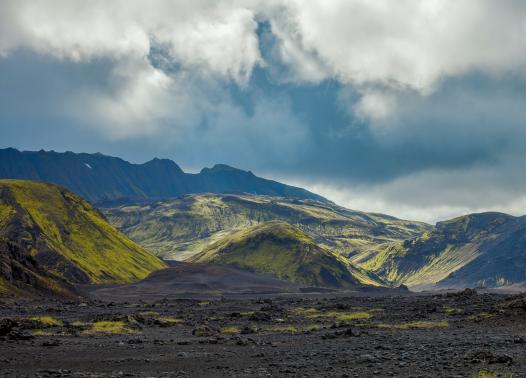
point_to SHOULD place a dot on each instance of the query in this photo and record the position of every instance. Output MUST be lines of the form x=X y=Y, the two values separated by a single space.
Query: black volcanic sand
x=443 y=335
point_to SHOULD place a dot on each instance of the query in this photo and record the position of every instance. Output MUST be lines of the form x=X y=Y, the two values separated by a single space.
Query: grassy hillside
x=285 y=252
x=486 y=249
x=184 y=226
x=68 y=237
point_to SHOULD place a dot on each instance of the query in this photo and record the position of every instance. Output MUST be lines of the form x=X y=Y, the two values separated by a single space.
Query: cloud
x=200 y=41
x=392 y=106
x=402 y=44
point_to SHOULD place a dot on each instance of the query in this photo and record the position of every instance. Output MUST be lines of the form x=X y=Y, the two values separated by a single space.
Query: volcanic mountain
x=104 y=179
x=48 y=231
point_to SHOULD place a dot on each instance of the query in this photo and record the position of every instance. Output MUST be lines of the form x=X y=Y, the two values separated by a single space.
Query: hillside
x=487 y=249
x=21 y=276
x=104 y=179
x=285 y=252
x=184 y=226
x=51 y=230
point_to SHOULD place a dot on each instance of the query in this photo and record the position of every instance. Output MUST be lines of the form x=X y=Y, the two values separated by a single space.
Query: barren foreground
x=459 y=334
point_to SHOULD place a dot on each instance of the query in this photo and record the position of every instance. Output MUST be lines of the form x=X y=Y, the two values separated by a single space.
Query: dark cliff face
x=104 y=179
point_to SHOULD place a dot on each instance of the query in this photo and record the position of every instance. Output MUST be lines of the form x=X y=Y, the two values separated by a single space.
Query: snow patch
x=87 y=165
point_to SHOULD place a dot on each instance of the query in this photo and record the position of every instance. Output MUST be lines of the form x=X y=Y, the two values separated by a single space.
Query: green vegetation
x=452 y=310
x=48 y=321
x=68 y=237
x=110 y=327
x=491 y=374
x=169 y=320
x=183 y=227
x=284 y=328
x=416 y=325
x=230 y=329
x=480 y=316
x=312 y=313
x=283 y=251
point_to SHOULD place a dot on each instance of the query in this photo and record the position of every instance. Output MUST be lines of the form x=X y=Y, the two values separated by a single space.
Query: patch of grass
x=109 y=327
x=247 y=313
x=42 y=332
x=312 y=313
x=48 y=321
x=452 y=310
x=149 y=313
x=285 y=328
x=169 y=320
x=491 y=374
x=230 y=329
x=416 y=325
x=480 y=316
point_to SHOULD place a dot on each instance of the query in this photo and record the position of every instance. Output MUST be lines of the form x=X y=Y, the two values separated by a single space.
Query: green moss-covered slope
x=67 y=237
x=285 y=252
x=184 y=226
x=487 y=249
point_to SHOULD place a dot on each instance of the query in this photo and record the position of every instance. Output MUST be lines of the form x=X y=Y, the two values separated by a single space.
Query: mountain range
x=105 y=179
x=52 y=240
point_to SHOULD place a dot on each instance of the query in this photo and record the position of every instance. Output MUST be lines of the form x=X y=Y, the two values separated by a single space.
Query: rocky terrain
x=463 y=334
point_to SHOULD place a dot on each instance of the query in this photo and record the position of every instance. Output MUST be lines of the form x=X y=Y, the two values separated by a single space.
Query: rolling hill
x=52 y=233
x=486 y=249
x=182 y=227
x=104 y=179
x=287 y=253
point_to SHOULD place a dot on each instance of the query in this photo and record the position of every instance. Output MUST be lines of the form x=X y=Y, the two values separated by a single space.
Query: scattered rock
x=51 y=343
x=204 y=331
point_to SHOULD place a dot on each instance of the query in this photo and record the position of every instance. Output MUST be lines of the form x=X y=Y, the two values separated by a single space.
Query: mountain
x=181 y=227
x=486 y=249
x=52 y=233
x=285 y=252
x=21 y=276
x=104 y=179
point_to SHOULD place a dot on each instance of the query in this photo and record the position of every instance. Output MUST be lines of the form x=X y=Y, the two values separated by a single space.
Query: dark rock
x=204 y=331
x=19 y=335
x=6 y=325
x=51 y=343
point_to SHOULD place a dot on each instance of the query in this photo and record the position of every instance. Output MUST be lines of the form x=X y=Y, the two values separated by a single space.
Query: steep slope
x=184 y=226
x=104 y=179
x=21 y=276
x=285 y=252
x=486 y=249
x=67 y=237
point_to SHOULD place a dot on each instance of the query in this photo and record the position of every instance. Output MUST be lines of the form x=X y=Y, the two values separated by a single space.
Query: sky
x=411 y=108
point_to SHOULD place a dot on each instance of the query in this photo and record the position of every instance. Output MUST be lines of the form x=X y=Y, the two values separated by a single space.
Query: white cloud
x=401 y=44
x=395 y=45
x=206 y=41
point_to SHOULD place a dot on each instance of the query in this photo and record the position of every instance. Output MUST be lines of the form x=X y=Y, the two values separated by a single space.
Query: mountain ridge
x=479 y=249
x=106 y=180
